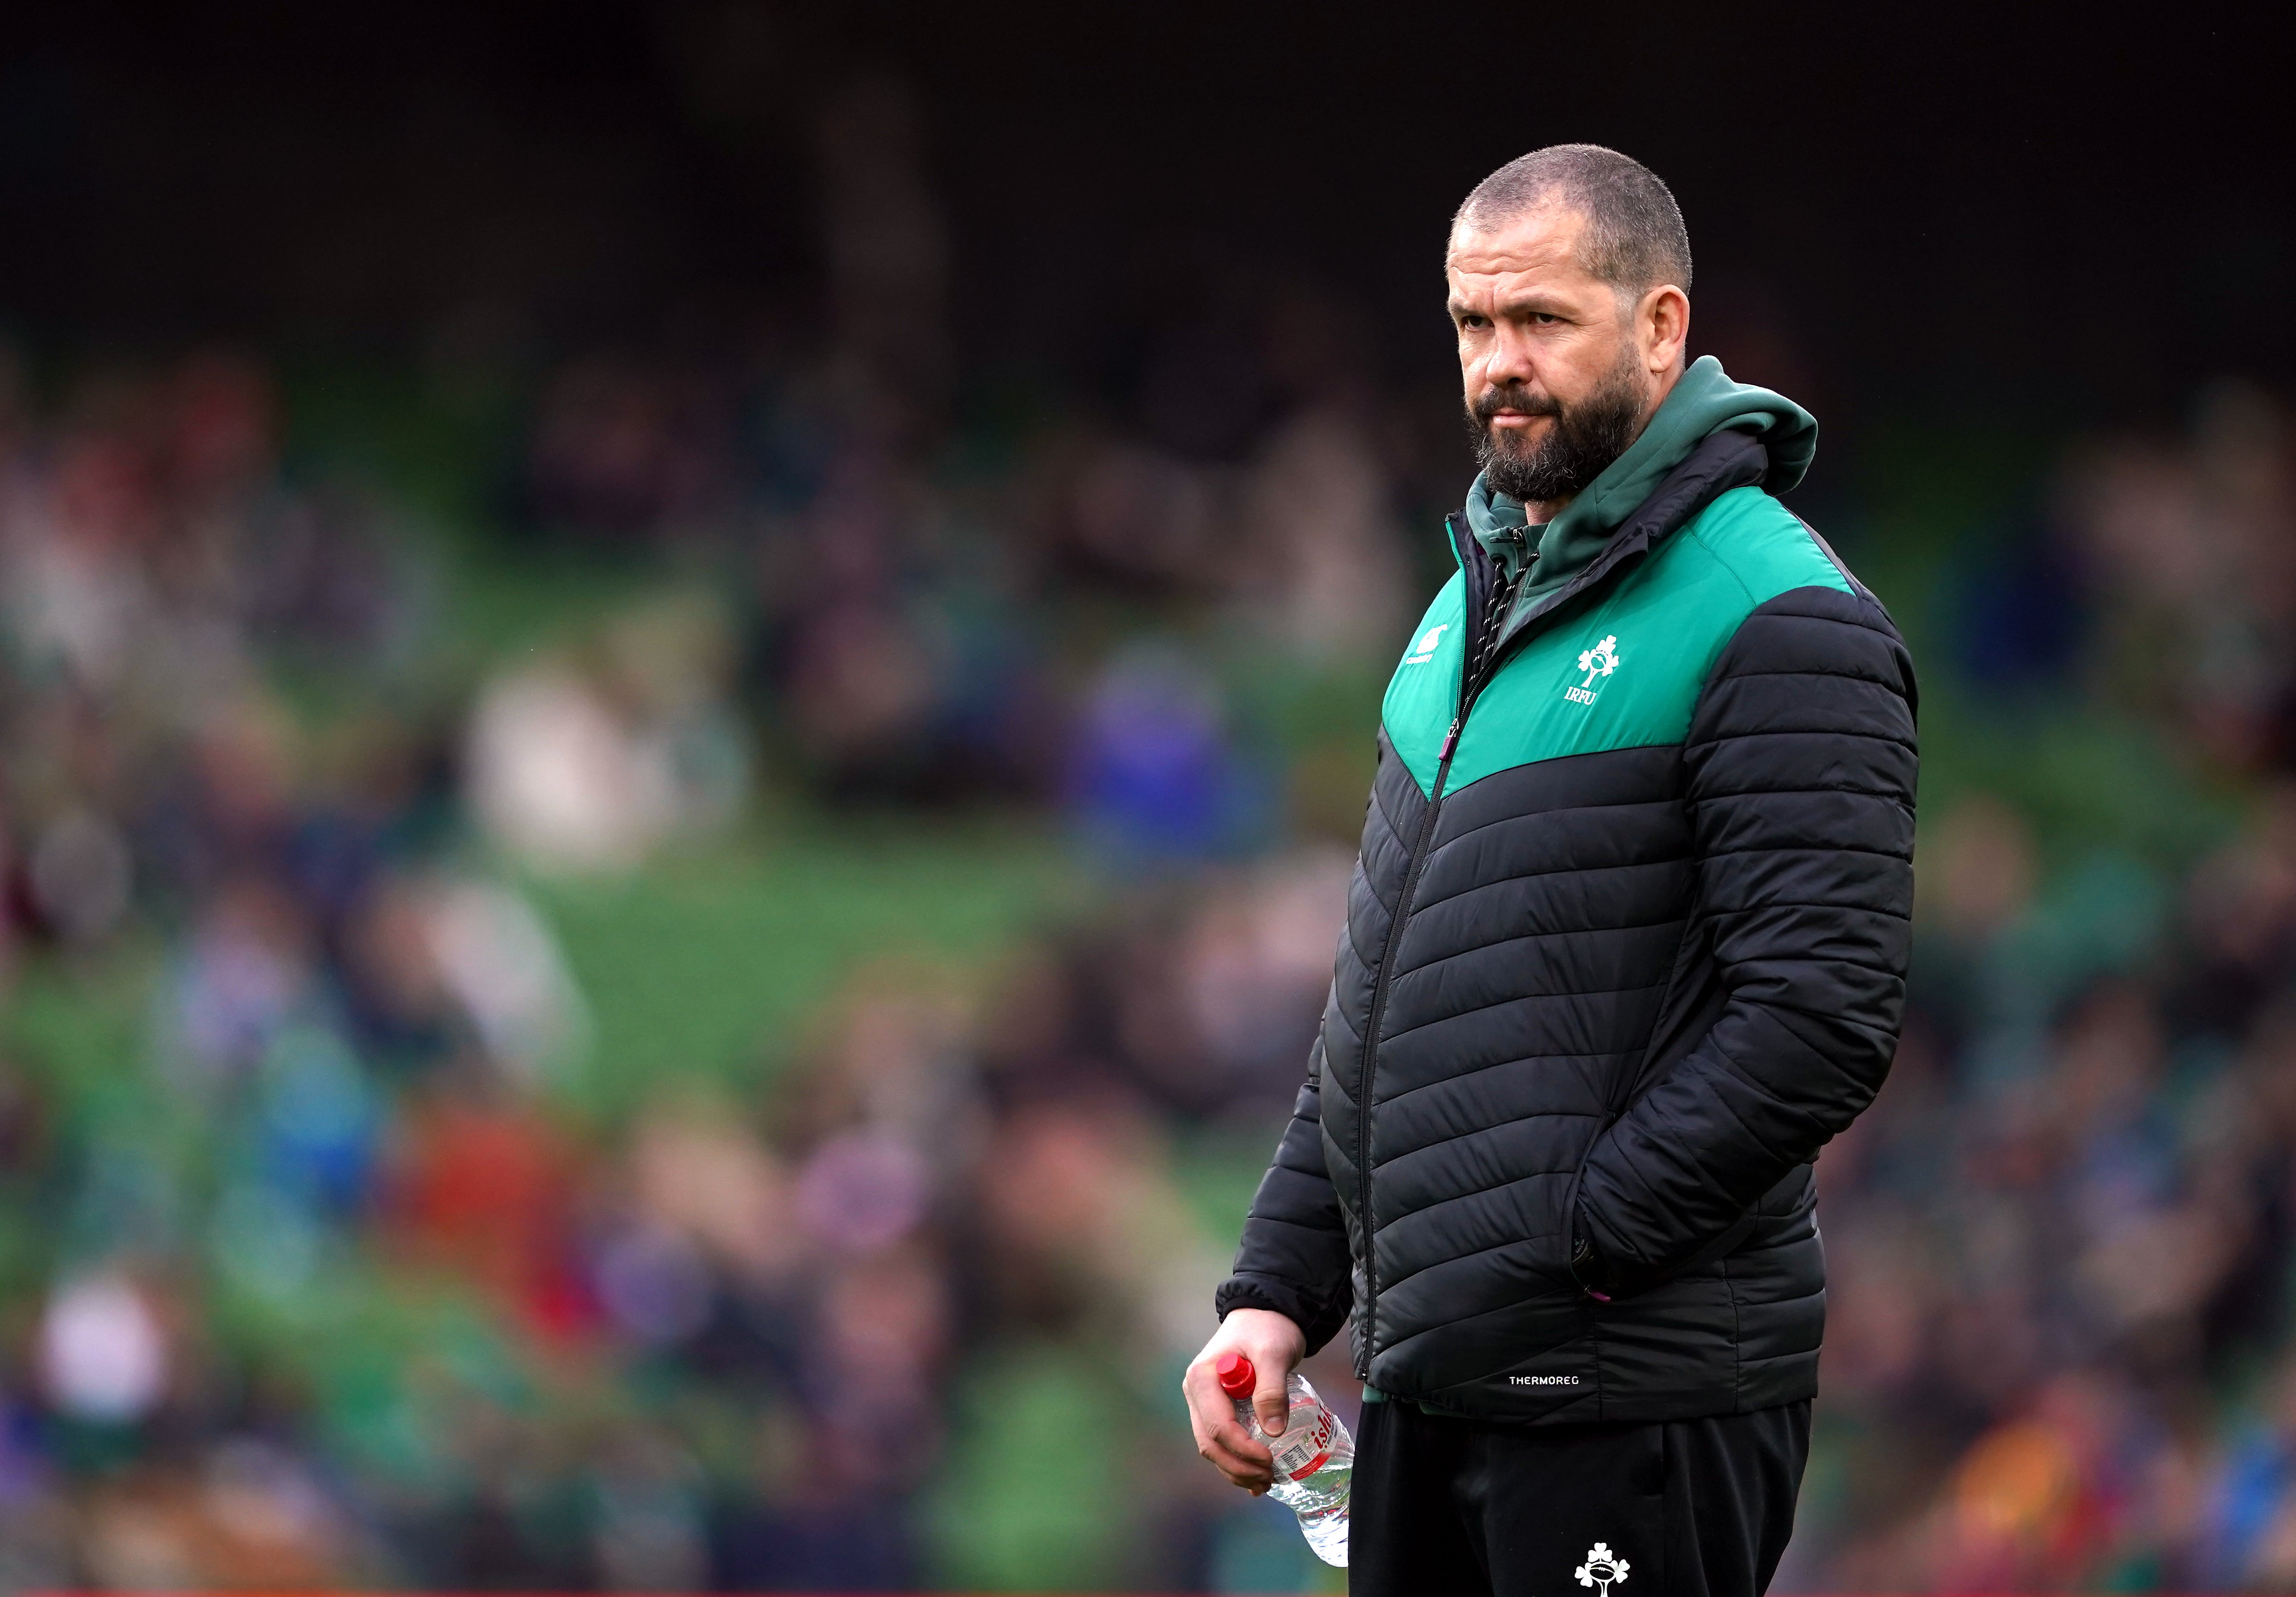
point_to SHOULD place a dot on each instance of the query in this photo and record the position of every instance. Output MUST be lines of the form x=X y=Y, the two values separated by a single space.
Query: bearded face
x=1589 y=433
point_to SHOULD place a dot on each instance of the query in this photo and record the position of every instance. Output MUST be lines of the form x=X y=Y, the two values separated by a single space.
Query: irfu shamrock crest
x=1600 y=661
x=1602 y=1568
x=1597 y=662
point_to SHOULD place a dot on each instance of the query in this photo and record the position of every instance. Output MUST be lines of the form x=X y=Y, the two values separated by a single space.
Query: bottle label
x=1306 y=1446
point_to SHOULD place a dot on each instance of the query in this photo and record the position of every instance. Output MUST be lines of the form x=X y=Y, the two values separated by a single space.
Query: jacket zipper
x=1471 y=684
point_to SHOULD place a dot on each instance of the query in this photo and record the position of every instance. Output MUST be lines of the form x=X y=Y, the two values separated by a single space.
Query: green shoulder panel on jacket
x=1624 y=672
x=1423 y=694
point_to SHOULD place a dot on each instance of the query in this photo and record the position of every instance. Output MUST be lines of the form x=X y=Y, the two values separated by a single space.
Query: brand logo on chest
x=1598 y=663
x=1424 y=650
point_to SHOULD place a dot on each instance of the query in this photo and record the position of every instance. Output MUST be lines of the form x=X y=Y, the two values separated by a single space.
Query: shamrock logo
x=1600 y=661
x=1602 y=1568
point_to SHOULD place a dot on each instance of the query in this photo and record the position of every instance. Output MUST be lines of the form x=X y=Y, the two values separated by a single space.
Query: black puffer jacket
x=1626 y=946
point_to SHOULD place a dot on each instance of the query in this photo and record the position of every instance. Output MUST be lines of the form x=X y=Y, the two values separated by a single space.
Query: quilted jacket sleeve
x=1800 y=767
x=1294 y=1257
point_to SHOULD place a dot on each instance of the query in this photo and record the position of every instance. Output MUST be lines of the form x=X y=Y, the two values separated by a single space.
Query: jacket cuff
x=1314 y=1318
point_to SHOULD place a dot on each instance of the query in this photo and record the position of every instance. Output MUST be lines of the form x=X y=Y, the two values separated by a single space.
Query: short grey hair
x=1634 y=239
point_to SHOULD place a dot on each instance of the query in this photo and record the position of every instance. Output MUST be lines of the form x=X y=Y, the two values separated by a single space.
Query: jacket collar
x=1722 y=460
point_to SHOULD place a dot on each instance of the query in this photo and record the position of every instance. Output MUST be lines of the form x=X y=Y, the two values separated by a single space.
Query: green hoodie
x=1703 y=401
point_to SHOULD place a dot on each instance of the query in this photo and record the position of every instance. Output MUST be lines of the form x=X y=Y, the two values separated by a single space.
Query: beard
x=1587 y=435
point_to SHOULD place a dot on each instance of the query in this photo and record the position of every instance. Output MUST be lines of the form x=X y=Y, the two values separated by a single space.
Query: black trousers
x=1456 y=1508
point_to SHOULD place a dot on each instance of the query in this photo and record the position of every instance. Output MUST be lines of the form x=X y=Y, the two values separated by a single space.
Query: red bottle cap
x=1236 y=1375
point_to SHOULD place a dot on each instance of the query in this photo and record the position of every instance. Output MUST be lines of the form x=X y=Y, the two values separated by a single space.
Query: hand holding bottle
x=1273 y=1345
x=1312 y=1459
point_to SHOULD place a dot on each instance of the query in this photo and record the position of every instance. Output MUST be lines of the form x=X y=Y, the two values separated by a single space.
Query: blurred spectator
x=576 y=769
x=1157 y=776
x=2200 y=538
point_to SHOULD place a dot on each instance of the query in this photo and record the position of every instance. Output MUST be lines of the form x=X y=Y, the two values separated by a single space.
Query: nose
x=1509 y=358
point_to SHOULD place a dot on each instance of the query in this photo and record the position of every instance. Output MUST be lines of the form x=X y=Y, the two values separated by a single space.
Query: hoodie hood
x=1704 y=401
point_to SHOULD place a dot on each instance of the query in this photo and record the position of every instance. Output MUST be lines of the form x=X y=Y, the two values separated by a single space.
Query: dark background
x=2052 y=211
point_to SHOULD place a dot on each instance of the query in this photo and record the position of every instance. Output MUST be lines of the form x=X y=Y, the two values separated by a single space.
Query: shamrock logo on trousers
x=1602 y=1568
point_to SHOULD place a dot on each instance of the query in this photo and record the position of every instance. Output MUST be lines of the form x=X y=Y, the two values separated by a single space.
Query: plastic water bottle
x=1313 y=1457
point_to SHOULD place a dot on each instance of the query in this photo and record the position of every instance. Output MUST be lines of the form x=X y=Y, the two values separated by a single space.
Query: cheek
x=1584 y=367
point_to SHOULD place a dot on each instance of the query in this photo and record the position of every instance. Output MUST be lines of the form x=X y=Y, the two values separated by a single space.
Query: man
x=1626 y=946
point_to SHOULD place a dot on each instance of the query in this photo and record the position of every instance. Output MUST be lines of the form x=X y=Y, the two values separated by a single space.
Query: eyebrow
x=1533 y=304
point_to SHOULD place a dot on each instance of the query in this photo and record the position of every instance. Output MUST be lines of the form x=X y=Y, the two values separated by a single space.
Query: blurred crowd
x=2059 y=1352
x=316 y=1270
x=312 y=1268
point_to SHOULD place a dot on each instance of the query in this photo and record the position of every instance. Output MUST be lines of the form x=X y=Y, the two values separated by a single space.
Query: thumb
x=1269 y=1400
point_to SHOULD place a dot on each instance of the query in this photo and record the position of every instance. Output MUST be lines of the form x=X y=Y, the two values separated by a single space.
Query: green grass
x=709 y=965
x=77 y=1025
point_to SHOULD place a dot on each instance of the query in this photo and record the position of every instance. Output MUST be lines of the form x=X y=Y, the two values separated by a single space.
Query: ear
x=1663 y=328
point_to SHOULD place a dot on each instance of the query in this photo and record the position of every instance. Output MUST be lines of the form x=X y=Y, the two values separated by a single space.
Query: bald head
x=1633 y=239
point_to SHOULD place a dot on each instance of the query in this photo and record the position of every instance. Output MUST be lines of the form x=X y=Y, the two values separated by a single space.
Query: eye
x=1544 y=318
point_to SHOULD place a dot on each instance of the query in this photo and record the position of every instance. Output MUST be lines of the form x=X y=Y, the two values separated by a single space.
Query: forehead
x=1540 y=244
